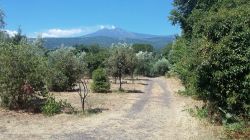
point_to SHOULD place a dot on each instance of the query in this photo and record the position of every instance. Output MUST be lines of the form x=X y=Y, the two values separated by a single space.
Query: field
x=155 y=111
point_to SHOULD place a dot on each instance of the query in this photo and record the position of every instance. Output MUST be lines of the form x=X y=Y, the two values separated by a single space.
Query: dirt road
x=156 y=114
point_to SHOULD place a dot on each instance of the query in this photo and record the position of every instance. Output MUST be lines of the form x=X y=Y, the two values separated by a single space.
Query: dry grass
x=22 y=125
x=156 y=114
x=185 y=103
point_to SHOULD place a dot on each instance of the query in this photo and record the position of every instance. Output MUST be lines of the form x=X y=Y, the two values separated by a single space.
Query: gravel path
x=157 y=114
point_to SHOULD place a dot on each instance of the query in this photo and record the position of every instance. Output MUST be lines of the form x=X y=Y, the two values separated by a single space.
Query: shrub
x=100 y=81
x=51 y=106
x=23 y=75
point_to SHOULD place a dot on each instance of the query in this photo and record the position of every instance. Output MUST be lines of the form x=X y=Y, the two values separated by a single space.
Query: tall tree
x=2 y=22
x=19 y=37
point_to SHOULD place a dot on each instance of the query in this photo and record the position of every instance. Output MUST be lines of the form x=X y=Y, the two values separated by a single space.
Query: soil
x=154 y=111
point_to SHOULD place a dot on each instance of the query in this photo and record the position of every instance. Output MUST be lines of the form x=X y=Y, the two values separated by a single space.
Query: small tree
x=120 y=61
x=19 y=37
x=83 y=92
x=100 y=81
x=66 y=69
x=131 y=63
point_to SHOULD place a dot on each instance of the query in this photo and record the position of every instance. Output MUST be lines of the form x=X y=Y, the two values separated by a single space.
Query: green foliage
x=213 y=56
x=142 y=47
x=100 y=81
x=122 y=61
x=202 y=112
x=160 y=67
x=19 y=38
x=23 y=74
x=237 y=130
x=199 y=112
x=51 y=106
x=94 y=58
x=66 y=68
x=145 y=60
x=166 y=50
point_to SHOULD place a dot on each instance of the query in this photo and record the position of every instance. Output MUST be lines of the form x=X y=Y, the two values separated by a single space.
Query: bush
x=23 y=75
x=224 y=72
x=66 y=69
x=213 y=55
x=100 y=81
x=51 y=106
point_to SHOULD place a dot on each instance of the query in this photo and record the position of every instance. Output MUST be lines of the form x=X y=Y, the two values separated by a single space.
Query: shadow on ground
x=96 y=110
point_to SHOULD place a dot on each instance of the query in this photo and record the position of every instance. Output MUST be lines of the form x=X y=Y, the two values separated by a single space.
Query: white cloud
x=107 y=27
x=113 y=27
x=11 y=33
x=61 y=32
x=56 y=32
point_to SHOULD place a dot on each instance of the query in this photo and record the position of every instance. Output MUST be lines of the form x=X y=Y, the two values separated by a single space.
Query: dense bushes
x=213 y=55
x=100 y=81
x=26 y=74
x=23 y=74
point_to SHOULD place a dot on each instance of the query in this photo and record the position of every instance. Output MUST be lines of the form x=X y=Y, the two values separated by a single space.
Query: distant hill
x=105 y=37
x=120 y=34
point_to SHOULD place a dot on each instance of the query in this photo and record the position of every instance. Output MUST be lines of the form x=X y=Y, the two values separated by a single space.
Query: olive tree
x=121 y=61
x=160 y=67
x=144 y=61
x=66 y=69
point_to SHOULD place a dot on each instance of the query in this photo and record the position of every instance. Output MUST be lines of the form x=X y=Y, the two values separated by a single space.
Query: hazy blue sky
x=56 y=18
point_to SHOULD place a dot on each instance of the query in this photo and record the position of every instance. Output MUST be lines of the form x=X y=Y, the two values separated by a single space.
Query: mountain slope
x=120 y=34
x=106 y=37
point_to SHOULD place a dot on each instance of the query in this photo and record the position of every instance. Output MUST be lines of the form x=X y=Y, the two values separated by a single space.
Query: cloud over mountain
x=73 y=32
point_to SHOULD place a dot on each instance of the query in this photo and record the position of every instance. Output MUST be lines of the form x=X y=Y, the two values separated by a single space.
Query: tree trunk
x=83 y=105
x=132 y=77
x=120 y=78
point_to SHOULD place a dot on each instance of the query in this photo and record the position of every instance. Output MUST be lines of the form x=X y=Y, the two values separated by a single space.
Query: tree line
x=28 y=71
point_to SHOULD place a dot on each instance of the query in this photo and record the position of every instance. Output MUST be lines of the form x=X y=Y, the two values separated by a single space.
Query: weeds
x=52 y=107
x=200 y=113
x=238 y=130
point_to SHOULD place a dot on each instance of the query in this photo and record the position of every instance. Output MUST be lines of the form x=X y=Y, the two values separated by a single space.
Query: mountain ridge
x=105 y=37
x=120 y=33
